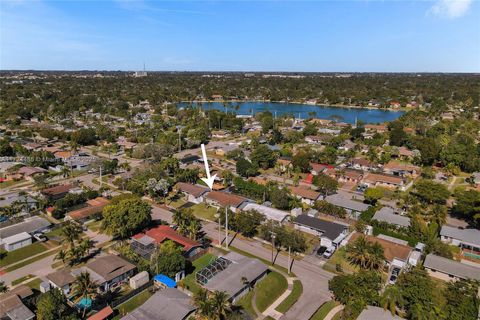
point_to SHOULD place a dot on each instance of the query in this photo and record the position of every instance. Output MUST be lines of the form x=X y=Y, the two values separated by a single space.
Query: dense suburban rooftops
x=471 y=236
x=383 y=178
x=57 y=190
x=451 y=267
x=94 y=206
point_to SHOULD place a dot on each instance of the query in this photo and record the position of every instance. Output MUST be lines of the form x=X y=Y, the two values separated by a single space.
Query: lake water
x=303 y=110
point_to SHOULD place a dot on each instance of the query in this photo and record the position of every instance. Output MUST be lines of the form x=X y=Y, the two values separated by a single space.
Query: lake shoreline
x=401 y=109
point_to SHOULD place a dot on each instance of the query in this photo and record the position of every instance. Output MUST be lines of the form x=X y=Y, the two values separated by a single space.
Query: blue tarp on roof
x=167 y=281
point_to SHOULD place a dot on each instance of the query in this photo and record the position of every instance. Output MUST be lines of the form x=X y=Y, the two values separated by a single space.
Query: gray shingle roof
x=386 y=214
x=330 y=230
x=451 y=267
x=166 y=304
x=471 y=236
x=29 y=225
x=339 y=201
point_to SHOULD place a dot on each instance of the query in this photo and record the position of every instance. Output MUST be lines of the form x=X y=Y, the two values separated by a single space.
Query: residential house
x=145 y=243
x=318 y=139
x=400 y=169
x=380 y=128
x=268 y=212
x=166 y=304
x=26 y=202
x=12 y=304
x=108 y=271
x=384 y=180
x=347 y=145
x=467 y=239
x=450 y=270
x=29 y=173
x=193 y=192
x=57 y=192
x=223 y=199
x=349 y=175
x=362 y=164
x=93 y=207
x=61 y=279
x=354 y=208
x=318 y=168
x=29 y=225
x=388 y=215
x=16 y=241
x=331 y=234
x=307 y=195
x=396 y=252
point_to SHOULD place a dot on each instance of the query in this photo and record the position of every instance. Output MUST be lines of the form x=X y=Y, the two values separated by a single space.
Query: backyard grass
x=189 y=281
x=177 y=203
x=24 y=278
x=95 y=225
x=324 y=310
x=203 y=212
x=340 y=257
x=133 y=303
x=267 y=262
x=246 y=303
x=269 y=289
x=20 y=254
x=292 y=297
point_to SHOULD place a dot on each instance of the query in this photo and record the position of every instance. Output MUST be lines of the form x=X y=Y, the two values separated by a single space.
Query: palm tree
x=65 y=171
x=84 y=287
x=221 y=305
x=203 y=303
x=357 y=252
x=392 y=299
x=61 y=255
x=376 y=256
x=70 y=233
x=194 y=228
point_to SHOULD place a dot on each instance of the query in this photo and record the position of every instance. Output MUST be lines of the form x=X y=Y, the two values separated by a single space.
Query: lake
x=303 y=110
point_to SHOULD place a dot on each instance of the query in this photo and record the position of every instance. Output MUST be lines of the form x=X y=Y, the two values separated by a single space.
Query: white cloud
x=450 y=9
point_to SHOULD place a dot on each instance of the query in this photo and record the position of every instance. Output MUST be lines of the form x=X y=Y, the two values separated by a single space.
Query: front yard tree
x=263 y=157
x=325 y=184
x=168 y=259
x=126 y=217
x=372 y=195
x=245 y=168
x=431 y=192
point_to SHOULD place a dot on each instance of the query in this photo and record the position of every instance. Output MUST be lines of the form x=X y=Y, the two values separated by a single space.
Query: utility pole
x=226 y=227
x=100 y=176
x=288 y=267
x=273 y=244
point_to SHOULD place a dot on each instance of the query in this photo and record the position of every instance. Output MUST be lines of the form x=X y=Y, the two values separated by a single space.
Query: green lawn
x=95 y=225
x=246 y=303
x=34 y=284
x=133 y=303
x=189 y=281
x=177 y=203
x=20 y=280
x=292 y=297
x=201 y=211
x=267 y=262
x=340 y=257
x=269 y=289
x=324 y=310
x=20 y=254
x=32 y=260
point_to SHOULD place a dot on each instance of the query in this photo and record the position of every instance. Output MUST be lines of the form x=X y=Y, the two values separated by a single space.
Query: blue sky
x=349 y=36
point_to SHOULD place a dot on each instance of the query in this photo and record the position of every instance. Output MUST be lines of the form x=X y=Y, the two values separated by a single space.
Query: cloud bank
x=450 y=9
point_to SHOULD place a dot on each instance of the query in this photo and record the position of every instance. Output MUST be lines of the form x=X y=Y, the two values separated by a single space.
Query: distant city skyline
x=251 y=36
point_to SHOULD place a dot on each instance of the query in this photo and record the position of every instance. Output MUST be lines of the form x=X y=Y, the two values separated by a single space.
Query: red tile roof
x=102 y=314
x=162 y=233
x=305 y=193
x=64 y=188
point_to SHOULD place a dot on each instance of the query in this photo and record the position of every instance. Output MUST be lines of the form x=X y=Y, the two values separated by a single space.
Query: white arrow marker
x=208 y=180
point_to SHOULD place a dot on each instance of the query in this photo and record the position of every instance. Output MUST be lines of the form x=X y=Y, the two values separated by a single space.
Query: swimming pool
x=84 y=303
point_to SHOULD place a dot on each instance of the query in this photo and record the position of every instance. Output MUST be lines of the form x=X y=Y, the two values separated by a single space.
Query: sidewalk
x=271 y=309
x=333 y=312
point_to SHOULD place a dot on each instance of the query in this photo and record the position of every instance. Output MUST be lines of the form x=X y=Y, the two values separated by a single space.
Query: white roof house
x=16 y=238
x=387 y=214
x=451 y=268
x=349 y=204
x=268 y=212
x=463 y=237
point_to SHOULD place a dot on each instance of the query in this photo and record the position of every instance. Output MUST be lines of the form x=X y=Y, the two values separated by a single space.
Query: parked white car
x=329 y=252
